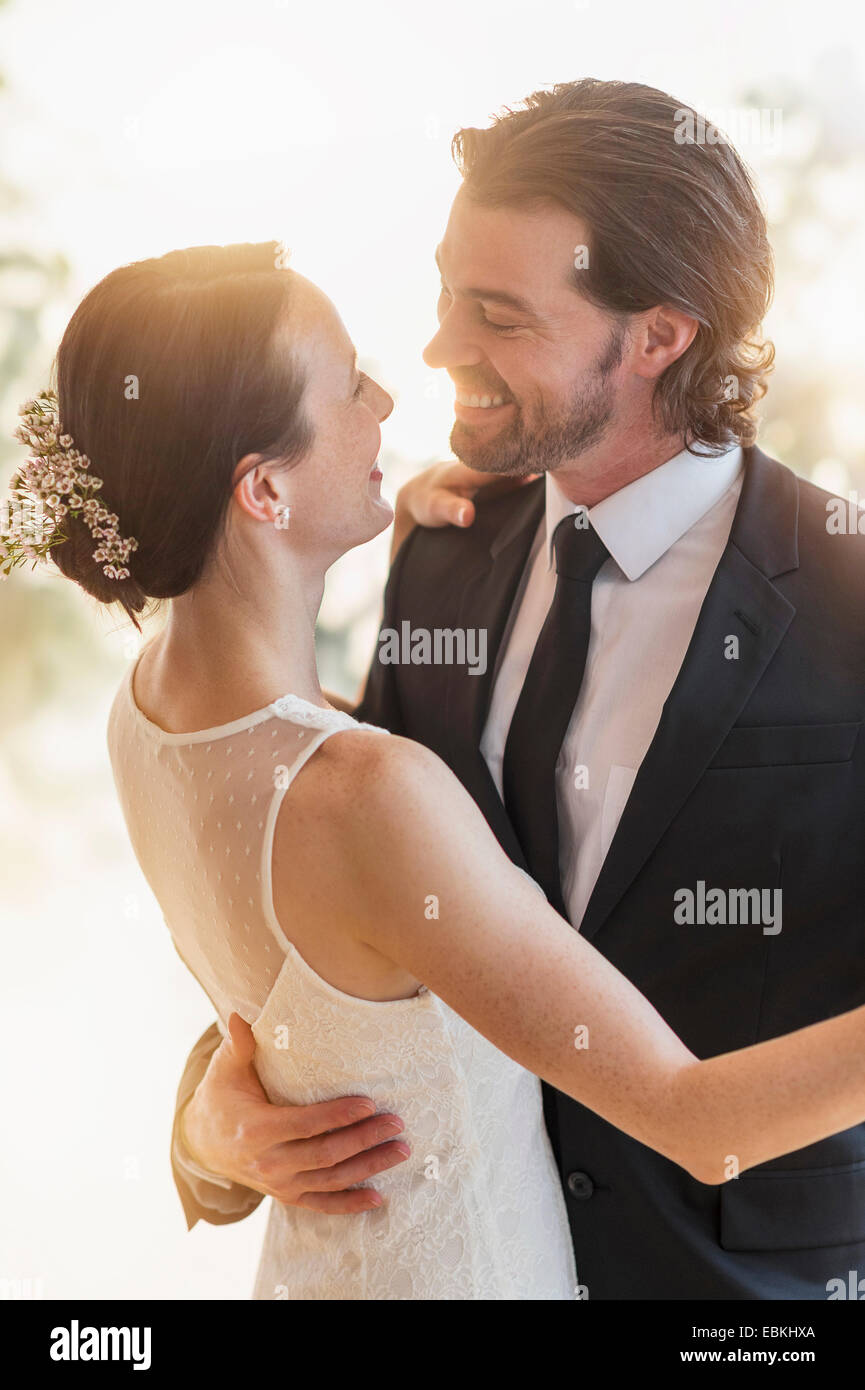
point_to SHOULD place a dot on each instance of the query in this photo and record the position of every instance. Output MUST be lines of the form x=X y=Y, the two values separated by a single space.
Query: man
x=667 y=732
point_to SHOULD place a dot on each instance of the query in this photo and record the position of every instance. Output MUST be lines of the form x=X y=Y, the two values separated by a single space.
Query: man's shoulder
x=822 y=533
x=831 y=535
x=821 y=568
x=498 y=515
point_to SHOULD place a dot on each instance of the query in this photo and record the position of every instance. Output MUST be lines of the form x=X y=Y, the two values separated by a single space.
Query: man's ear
x=659 y=337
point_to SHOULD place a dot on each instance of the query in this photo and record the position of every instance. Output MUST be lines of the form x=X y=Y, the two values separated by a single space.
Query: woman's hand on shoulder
x=442 y=495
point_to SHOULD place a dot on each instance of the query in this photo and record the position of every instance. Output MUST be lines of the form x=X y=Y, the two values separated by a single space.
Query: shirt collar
x=640 y=522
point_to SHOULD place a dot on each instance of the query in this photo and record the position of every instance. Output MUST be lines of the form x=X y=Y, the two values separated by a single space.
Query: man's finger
x=322 y=1133
x=328 y=1150
x=278 y=1172
x=340 y=1203
x=241 y=1040
x=356 y=1169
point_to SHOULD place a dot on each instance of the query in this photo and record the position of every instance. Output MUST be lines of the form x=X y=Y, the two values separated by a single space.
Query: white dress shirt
x=665 y=533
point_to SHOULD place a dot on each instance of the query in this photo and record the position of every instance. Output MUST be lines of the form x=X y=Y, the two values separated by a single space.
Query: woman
x=344 y=895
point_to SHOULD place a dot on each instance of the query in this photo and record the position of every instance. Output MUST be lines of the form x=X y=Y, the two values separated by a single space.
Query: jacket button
x=580 y=1186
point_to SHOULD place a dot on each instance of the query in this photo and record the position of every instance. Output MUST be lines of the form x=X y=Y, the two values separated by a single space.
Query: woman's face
x=335 y=490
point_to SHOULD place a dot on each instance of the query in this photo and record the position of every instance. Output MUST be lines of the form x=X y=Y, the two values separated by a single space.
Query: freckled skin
x=356 y=868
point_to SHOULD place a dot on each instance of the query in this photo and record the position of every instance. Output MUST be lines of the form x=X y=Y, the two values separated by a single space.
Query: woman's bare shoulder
x=361 y=788
x=363 y=767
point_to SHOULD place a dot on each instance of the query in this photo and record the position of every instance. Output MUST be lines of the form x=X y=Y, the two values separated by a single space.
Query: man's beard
x=518 y=450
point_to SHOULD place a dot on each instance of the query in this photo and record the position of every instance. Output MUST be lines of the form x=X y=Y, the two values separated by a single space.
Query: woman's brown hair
x=671 y=221
x=166 y=378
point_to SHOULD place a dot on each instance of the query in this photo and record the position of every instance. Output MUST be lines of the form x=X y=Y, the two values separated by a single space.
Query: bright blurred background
x=128 y=130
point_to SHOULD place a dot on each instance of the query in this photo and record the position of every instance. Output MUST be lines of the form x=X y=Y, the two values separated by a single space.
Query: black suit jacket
x=755 y=779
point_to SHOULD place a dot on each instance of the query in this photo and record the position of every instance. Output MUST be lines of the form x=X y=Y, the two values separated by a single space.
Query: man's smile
x=472 y=409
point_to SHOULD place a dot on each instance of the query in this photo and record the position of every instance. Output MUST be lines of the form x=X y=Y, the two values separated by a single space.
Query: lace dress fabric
x=477 y=1211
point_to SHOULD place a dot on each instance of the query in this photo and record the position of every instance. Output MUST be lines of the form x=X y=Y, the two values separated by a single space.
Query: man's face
x=537 y=368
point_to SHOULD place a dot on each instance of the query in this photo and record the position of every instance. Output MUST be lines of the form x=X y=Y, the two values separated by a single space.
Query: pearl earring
x=282 y=517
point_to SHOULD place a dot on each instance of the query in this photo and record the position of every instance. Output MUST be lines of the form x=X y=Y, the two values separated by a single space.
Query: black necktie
x=547 y=701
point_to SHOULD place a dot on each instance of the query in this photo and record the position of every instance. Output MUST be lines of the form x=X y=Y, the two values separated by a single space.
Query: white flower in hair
x=56 y=481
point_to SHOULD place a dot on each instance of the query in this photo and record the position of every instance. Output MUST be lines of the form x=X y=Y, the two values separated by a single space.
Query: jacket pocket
x=782 y=745
x=787 y=1209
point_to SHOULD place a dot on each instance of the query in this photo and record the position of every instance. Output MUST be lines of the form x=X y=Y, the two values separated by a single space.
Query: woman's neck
x=226 y=650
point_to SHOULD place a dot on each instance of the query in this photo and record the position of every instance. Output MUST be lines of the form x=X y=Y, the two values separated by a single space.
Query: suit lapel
x=710 y=692
x=487 y=598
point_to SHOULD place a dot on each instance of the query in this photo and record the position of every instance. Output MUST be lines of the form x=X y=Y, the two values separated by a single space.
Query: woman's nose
x=385 y=405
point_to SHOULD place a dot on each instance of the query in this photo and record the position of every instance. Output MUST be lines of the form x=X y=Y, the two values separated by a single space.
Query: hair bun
x=73 y=556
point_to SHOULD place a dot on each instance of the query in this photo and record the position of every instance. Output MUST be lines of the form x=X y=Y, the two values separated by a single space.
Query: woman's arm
x=397 y=832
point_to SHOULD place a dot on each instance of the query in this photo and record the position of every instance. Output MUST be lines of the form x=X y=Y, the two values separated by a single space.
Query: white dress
x=477 y=1211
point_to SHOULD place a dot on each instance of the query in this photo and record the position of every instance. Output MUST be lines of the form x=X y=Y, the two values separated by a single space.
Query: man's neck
x=600 y=472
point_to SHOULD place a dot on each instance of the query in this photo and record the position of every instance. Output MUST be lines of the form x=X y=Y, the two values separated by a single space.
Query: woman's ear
x=253 y=489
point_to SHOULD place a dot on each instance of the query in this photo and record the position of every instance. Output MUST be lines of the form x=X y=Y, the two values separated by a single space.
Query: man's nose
x=449 y=348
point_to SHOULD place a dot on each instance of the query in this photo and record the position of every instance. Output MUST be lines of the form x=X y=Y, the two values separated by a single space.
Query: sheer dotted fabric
x=477 y=1211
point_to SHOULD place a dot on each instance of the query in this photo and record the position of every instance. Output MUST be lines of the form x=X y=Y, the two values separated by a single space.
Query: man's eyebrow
x=492 y=296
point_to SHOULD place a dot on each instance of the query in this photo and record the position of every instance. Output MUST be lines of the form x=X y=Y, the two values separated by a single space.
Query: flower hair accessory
x=54 y=482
